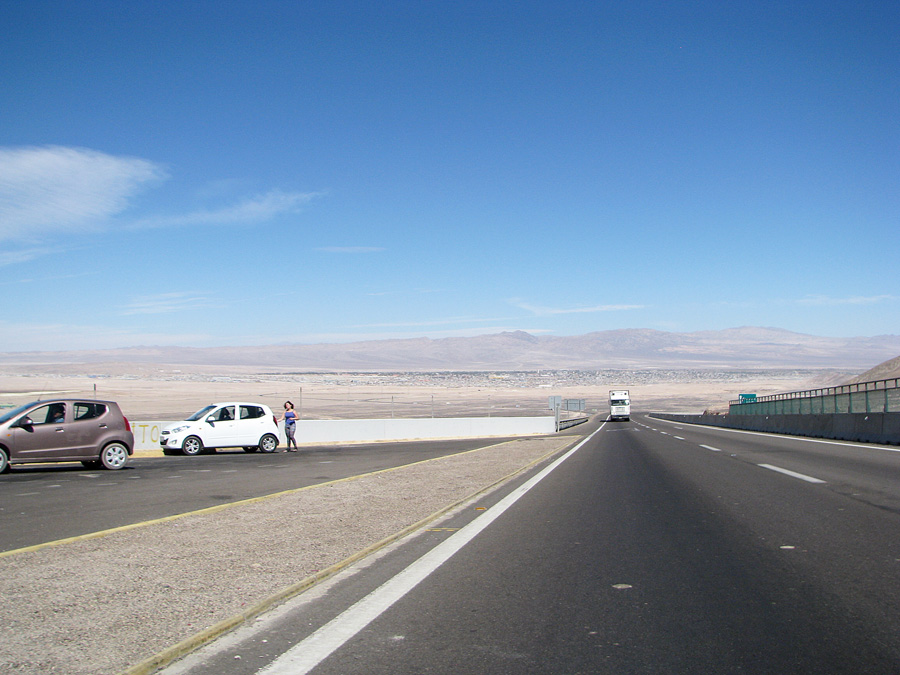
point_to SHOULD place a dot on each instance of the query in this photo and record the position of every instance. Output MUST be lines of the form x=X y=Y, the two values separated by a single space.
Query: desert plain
x=156 y=392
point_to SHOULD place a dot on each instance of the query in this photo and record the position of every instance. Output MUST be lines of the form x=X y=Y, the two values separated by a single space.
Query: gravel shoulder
x=107 y=604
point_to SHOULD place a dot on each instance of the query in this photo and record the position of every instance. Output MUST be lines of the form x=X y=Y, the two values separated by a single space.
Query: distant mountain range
x=735 y=348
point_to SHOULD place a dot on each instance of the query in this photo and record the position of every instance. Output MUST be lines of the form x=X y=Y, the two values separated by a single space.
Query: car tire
x=4 y=461
x=192 y=446
x=268 y=443
x=114 y=456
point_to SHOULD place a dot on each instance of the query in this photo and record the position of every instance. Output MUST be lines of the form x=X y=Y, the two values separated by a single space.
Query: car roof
x=86 y=399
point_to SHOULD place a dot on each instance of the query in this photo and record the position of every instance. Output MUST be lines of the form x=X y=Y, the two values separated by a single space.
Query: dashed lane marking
x=793 y=474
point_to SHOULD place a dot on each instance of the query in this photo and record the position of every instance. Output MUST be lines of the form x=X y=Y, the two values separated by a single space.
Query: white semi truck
x=619 y=405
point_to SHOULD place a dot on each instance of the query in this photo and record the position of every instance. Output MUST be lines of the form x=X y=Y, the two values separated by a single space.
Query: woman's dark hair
x=288 y=403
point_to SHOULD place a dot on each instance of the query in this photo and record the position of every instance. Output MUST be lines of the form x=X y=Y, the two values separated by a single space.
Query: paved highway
x=41 y=503
x=651 y=548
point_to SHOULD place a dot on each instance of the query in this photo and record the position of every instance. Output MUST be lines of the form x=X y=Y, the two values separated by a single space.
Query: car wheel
x=250 y=448
x=268 y=443
x=192 y=446
x=114 y=456
x=4 y=461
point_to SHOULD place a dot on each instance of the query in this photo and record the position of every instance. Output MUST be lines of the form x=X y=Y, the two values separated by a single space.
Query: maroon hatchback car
x=96 y=433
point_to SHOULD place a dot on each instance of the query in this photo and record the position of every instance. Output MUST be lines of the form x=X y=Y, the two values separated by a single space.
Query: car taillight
x=127 y=423
x=275 y=419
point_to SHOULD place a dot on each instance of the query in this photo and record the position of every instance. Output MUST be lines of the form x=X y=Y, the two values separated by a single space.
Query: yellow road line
x=222 y=507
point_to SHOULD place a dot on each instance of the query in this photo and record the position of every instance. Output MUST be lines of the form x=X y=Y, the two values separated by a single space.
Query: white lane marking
x=678 y=437
x=787 y=472
x=306 y=655
x=709 y=447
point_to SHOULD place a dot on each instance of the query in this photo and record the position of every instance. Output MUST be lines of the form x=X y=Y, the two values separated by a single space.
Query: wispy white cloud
x=167 y=303
x=23 y=255
x=46 y=190
x=823 y=300
x=539 y=310
x=350 y=249
x=53 y=190
x=57 y=277
x=256 y=209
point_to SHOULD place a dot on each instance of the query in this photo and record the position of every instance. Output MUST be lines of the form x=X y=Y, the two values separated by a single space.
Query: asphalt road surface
x=651 y=548
x=42 y=502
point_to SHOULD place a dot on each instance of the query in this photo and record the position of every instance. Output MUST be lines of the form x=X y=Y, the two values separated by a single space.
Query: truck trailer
x=619 y=405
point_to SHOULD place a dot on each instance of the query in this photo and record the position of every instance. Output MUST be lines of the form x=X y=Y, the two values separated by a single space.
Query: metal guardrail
x=565 y=424
x=879 y=396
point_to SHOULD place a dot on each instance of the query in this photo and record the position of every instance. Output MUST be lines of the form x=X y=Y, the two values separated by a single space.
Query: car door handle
x=103 y=426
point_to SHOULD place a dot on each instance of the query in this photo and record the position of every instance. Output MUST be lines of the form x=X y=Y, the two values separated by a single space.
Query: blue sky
x=237 y=173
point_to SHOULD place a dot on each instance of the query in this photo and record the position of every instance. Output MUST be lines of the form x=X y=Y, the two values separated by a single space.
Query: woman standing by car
x=290 y=425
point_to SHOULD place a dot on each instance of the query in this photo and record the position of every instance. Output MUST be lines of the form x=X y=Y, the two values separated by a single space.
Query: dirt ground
x=172 y=393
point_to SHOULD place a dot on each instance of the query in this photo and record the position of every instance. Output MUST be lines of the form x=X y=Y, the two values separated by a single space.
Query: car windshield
x=200 y=414
x=15 y=412
x=619 y=402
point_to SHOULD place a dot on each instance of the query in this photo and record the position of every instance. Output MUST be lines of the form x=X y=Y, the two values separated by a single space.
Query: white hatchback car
x=250 y=426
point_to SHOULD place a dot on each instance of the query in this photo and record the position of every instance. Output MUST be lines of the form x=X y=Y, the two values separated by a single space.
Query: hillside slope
x=883 y=371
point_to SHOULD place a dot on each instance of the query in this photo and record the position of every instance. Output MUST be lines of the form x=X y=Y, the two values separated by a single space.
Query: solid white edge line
x=310 y=652
x=794 y=474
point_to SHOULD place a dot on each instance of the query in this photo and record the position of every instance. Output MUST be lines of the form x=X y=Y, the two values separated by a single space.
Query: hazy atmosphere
x=211 y=174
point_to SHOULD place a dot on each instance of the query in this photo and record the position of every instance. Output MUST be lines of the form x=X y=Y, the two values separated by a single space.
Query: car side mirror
x=210 y=419
x=25 y=422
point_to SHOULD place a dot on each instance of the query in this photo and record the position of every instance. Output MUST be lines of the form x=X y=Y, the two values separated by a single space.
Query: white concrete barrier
x=146 y=434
